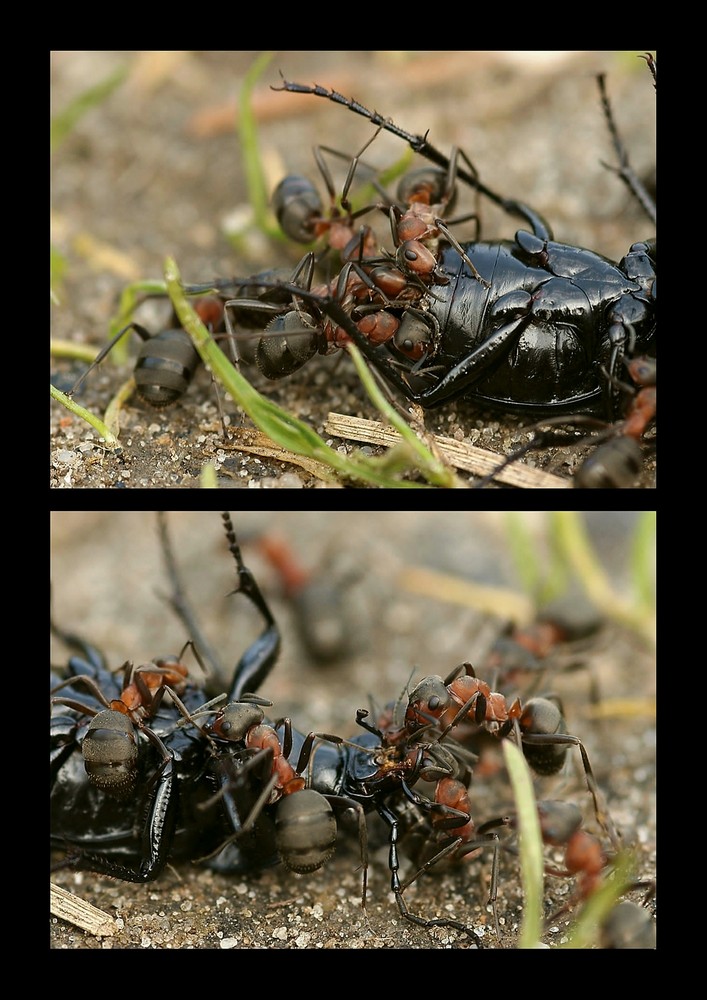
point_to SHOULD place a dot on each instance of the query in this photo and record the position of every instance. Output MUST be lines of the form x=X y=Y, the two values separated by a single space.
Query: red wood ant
x=628 y=926
x=584 y=857
x=617 y=462
x=251 y=757
x=464 y=703
x=167 y=360
x=321 y=605
x=559 y=627
x=587 y=862
x=300 y=212
x=110 y=743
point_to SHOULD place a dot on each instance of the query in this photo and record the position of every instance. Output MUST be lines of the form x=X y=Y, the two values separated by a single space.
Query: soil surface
x=156 y=170
x=109 y=584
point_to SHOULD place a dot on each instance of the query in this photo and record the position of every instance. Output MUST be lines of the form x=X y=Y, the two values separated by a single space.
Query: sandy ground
x=108 y=582
x=156 y=169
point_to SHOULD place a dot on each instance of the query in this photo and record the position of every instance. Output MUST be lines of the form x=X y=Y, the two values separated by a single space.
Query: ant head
x=234 y=720
x=428 y=186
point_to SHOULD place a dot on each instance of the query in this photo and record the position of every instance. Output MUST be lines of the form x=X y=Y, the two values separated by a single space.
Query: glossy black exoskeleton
x=537 y=338
x=125 y=826
x=129 y=774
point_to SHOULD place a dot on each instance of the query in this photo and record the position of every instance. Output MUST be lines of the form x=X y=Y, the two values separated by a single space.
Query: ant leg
x=244 y=787
x=449 y=236
x=600 y=809
x=353 y=167
x=91 y=686
x=419 y=144
x=141 y=332
x=452 y=849
x=340 y=804
x=391 y=819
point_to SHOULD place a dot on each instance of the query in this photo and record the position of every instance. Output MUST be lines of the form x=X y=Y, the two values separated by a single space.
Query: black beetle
x=129 y=774
x=528 y=325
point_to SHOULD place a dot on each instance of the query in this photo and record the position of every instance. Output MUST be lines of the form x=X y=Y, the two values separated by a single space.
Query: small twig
x=500 y=601
x=66 y=906
x=281 y=905
x=462 y=456
x=256 y=443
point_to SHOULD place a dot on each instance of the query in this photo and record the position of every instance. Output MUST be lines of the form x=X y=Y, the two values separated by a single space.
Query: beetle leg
x=258 y=660
x=476 y=364
x=158 y=829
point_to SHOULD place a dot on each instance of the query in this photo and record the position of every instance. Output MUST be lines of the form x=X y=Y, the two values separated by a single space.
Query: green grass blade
x=208 y=479
x=252 y=160
x=525 y=553
x=584 y=932
x=431 y=468
x=571 y=535
x=531 y=846
x=643 y=561
x=280 y=426
x=90 y=418
x=57 y=272
x=73 y=351
x=63 y=123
